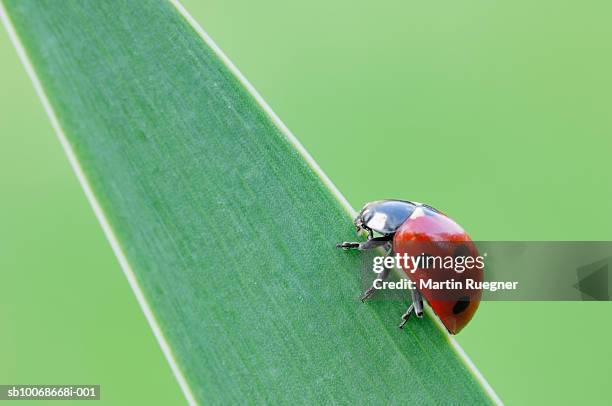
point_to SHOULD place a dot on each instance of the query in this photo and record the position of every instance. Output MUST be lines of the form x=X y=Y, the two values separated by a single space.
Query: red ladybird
x=441 y=258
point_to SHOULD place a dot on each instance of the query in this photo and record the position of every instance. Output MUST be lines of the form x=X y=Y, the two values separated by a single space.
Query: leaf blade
x=175 y=146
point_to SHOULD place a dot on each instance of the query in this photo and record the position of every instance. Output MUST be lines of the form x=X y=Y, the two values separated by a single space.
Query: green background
x=496 y=113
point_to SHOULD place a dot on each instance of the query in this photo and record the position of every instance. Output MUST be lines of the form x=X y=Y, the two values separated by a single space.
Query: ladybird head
x=383 y=216
x=362 y=219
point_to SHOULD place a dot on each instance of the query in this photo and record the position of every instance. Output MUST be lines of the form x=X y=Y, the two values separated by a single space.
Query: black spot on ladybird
x=461 y=251
x=461 y=305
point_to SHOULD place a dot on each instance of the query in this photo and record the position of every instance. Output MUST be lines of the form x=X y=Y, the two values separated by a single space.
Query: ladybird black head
x=384 y=216
x=462 y=304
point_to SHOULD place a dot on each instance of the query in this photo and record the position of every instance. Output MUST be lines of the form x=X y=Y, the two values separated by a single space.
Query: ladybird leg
x=376 y=242
x=406 y=316
x=380 y=277
x=415 y=307
x=347 y=245
x=417 y=301
x=366 y=245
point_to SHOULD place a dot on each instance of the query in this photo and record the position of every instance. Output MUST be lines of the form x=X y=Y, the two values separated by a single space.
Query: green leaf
x=223 y=224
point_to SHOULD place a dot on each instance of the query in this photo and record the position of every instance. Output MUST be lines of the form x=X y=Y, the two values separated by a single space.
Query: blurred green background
x=497 y=113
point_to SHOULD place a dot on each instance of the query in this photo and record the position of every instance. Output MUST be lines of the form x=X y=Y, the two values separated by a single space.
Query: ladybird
x=417 y=230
